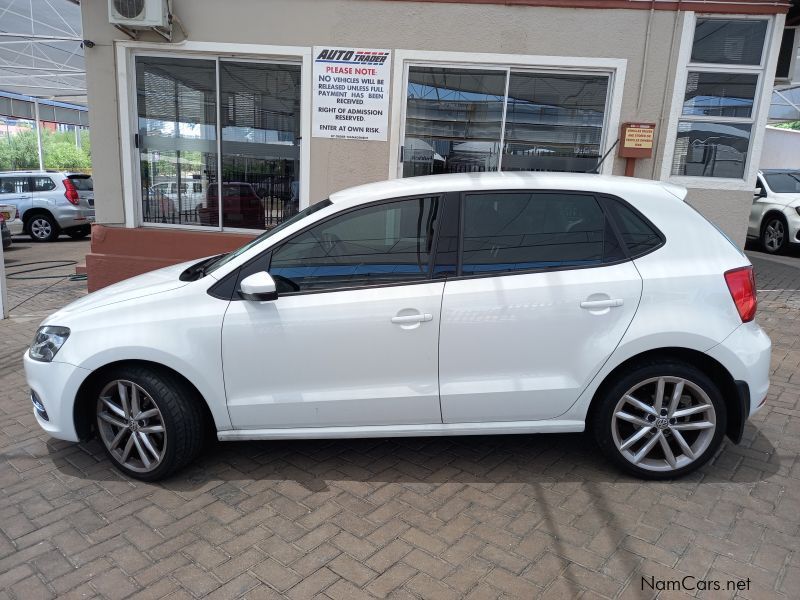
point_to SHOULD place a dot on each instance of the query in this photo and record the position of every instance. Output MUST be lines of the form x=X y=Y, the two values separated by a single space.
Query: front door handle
x=418 y=318
x=597 y=304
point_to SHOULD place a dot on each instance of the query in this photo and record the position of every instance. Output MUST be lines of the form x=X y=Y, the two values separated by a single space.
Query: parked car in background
x=13 y=222
x=50 y=203
x=443 y=305
x=242 y=206
x=775 y=215
x=5 y=234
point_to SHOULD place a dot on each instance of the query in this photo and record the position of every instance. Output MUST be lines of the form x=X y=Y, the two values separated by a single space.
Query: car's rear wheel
x=43 y=228
x=660 y=420
x=148 y=421
x=774 y=234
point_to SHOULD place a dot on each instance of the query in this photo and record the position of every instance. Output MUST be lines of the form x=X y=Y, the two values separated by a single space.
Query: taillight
x=742 y=285
x=70 y=193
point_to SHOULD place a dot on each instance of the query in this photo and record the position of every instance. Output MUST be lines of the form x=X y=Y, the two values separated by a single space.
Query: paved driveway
x=476 y=517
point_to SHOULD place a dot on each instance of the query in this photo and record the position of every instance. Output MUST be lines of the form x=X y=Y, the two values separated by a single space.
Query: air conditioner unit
x=138 y=14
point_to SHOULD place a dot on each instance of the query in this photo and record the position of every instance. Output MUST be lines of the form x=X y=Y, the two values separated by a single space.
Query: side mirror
x=759 y=193
x=258 y=287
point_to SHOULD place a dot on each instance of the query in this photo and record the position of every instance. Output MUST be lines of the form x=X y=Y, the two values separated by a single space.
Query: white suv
x=775 y=215
x=49 y=203
x=442 y=305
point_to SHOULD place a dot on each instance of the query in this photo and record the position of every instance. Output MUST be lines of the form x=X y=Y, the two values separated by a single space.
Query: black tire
x=774 y=236
x=180 y=411
x=42 y=227
x=78 y=233
x=603 y=419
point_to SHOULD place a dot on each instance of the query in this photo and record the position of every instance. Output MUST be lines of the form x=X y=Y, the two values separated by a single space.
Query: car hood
x=154 y=282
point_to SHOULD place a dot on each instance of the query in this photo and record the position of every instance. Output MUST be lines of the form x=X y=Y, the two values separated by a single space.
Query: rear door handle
x=418 y=318
x=595 y=304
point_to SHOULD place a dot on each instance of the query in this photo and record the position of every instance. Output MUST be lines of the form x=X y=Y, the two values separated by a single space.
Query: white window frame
x=758 y=118
x=403 y=59
x=126 y=52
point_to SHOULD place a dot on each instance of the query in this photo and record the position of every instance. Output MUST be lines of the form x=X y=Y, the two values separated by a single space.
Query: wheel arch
x=770 y=212
x=731 y=393
x=32 y=212
x=83 y=416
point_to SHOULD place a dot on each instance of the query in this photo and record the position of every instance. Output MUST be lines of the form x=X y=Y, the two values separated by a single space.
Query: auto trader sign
x=351 y=93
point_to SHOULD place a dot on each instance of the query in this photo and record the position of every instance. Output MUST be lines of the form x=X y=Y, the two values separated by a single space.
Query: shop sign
x=351 y=93
x=637 y=140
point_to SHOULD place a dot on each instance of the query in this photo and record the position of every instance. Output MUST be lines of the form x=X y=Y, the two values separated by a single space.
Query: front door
x=537 y=310
x=352 y=338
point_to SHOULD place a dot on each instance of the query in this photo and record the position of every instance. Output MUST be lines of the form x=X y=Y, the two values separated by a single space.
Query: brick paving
x=470 y=517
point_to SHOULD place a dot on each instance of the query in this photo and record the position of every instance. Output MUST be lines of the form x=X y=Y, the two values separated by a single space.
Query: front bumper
x=56 y=384
x=746 y=353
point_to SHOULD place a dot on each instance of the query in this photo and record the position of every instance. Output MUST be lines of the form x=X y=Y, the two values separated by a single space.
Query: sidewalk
x=464 y=517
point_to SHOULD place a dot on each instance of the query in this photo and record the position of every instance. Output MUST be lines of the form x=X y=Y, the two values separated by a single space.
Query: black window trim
x=601 y=201
x=267 y=254
x=455 y=201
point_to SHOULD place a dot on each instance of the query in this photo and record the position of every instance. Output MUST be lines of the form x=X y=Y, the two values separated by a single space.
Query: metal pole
x=38 y=132
x=3 y=294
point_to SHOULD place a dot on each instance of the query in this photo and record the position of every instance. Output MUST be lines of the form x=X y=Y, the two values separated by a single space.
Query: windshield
x=784 y=183
x=82 y=183
x=225 y=258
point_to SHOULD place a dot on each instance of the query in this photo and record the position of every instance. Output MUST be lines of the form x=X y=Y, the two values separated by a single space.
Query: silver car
x=50 y=202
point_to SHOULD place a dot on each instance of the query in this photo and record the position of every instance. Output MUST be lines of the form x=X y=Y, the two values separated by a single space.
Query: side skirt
x=376 y=431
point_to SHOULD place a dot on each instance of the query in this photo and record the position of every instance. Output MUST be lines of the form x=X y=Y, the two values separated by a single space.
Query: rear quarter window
x=639 y=235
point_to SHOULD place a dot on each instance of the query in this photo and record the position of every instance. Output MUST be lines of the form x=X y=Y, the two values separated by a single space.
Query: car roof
x=773 y=171
x=513 y=180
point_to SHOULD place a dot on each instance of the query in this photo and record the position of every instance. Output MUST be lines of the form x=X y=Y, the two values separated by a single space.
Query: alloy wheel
x=663 y=423
x=773 y=235
x=131 y=426
x=41 y=228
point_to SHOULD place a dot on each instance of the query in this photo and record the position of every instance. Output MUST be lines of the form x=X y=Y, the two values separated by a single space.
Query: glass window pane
x=785 y=53
x=729 y=41
x=711 y=149
x=638 y=236
x=373 y=245
x=520 y=231
x=554 y=122
x=260 y=108
x=453 y=120
x=783 y=183
x=14 y=185
x=720 y=94
x=43 y=184
x=176 y=99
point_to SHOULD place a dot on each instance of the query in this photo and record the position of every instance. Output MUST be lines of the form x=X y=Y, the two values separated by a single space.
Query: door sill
x=370 y=431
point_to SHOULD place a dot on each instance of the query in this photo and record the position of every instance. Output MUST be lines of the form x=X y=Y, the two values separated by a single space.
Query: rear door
x=544 y=295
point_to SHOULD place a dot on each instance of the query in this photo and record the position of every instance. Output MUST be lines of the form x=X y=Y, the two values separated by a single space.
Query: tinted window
x=43 y=184
x=82 y=183
x=730 y=42
x=637 y=234
x=14 y=185
x=784 y=183
x=387 y=243
x=517 y=231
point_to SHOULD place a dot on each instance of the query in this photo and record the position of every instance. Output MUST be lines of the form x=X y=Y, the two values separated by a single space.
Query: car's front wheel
x=148 y=421
x=43 y=228
x=774 y=234
x=660 y=420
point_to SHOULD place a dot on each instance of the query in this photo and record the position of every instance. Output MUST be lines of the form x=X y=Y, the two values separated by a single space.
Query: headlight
x=47 y=342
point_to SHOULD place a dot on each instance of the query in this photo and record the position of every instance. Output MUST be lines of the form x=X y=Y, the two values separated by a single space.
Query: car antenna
x=596 y=169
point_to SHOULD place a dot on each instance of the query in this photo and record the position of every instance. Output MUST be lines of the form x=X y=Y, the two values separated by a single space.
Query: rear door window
x=43 y=184
x=520 y=231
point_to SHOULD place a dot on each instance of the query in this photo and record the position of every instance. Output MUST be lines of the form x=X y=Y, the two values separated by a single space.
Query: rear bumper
x=746 y=354
x=74 y=217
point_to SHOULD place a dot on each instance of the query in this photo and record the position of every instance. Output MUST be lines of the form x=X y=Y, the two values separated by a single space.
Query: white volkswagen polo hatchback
x=442 y=305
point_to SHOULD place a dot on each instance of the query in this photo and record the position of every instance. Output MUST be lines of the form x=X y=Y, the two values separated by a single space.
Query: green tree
x=59 y=151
